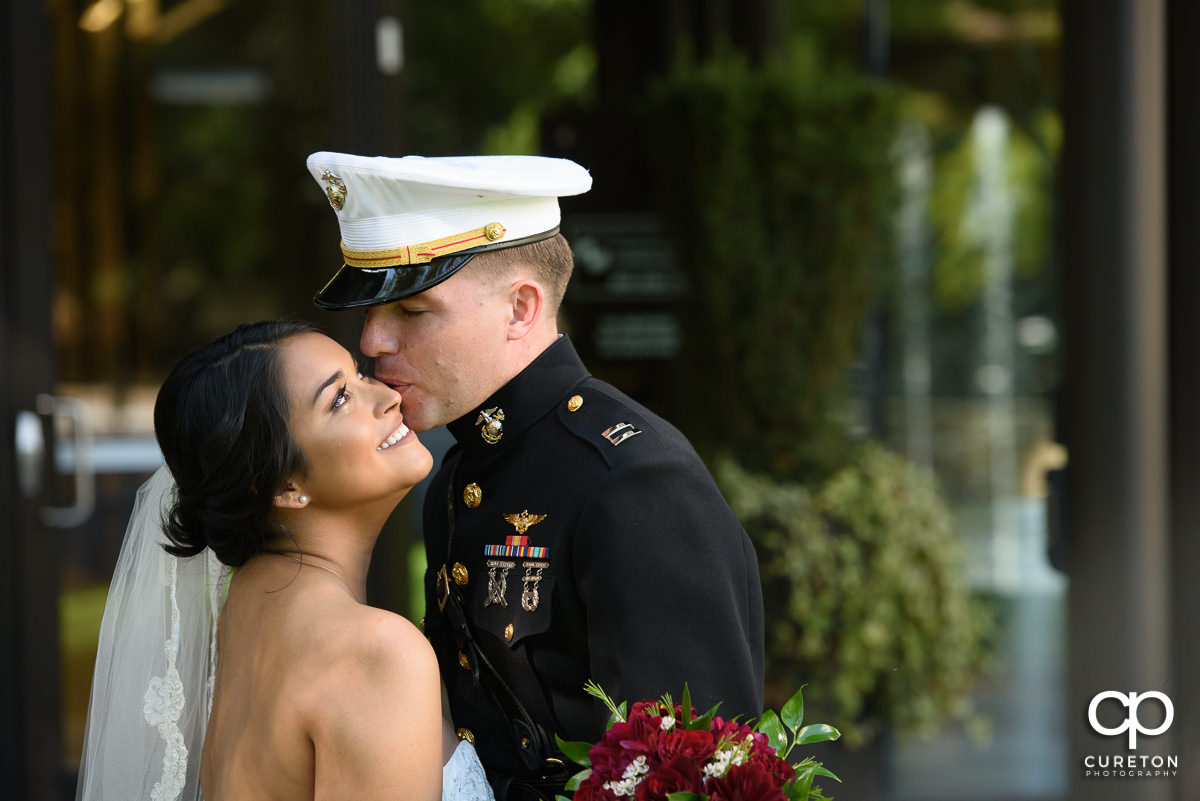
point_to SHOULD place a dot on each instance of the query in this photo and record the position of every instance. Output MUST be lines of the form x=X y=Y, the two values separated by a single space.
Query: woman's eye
x=339 y=400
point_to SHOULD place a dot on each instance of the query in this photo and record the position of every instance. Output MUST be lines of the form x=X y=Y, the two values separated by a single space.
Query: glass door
x=181 y=207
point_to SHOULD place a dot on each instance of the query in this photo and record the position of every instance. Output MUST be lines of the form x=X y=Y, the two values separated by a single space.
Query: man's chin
x=417 y=420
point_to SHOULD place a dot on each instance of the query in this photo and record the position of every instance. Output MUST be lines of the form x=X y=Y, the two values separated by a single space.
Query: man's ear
x=528 y=307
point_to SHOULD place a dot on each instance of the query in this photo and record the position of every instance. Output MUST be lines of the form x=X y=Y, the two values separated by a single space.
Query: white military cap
x=410 y=223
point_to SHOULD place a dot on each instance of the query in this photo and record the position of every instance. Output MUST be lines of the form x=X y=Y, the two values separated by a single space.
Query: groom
x=572 y=534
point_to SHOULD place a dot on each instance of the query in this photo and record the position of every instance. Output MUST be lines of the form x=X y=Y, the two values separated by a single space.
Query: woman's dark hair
x=221 y=419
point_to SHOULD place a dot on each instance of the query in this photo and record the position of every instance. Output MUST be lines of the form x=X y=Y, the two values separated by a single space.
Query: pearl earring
x=303 y=499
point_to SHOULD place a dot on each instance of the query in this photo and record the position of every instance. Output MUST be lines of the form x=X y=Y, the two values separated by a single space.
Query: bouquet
x=663 y=751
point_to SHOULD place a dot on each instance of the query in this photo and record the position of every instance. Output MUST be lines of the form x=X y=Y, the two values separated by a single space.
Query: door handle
x=30 y=442
x=58 y=407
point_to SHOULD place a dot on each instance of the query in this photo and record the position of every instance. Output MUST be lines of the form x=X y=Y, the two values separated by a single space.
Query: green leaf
x=704 y=721
x=793 y=711
x=577 y=752
x=685 y=717
x=801 y=787
x=686 y=797
x=817 y=733
x=822 y=771
x=578 y=779
x=561 y=798
x=596 y=691
x=771 y=726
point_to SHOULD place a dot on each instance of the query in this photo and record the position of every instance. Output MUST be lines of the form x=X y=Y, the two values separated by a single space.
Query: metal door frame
x=30 y=740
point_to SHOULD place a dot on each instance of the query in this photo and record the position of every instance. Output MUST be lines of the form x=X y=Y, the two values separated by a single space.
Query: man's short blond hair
x=549 y=260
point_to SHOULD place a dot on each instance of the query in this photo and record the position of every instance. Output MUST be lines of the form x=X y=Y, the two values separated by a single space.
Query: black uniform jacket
x=588 y=541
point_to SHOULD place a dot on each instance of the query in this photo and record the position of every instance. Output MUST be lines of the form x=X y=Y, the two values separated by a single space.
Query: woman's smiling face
x=350 y=428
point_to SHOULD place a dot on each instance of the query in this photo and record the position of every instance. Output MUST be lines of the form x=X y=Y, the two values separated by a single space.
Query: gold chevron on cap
x=424 y=252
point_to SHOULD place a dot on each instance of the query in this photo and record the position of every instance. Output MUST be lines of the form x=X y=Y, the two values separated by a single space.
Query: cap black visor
x=354 y=287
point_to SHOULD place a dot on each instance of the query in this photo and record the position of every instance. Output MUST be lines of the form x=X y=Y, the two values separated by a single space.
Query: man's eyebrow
x=338 y=376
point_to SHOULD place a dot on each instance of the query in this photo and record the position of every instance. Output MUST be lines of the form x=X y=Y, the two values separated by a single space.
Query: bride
x=284 y=463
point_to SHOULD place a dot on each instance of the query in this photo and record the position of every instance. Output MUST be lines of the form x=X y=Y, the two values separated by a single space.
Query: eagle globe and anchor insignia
x=335 y=190
x=493 y=427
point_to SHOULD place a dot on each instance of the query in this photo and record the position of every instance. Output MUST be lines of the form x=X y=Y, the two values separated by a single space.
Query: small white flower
x=636 y=768
x=668 y=723
x=625 y=787
x=719 y=764
x=635 y=771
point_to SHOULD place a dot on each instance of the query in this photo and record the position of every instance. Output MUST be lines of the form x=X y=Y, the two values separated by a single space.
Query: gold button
x=463 y=661
x=472 y=495
x=461 y=576
x=524 y=742
x=575 y=403
x=466 y=734
x=493 y=231
x=508 y=632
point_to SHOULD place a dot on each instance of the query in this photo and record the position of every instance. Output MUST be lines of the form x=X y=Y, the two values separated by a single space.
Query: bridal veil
x=152 y=686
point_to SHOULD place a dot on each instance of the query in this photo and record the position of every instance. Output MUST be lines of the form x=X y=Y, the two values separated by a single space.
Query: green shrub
x=776 y=193
x=776 y=189
x=866 y=602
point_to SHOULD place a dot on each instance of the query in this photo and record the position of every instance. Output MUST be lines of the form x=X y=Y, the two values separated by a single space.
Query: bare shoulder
x=382 y=639
x=375 y=720
x=371 y=645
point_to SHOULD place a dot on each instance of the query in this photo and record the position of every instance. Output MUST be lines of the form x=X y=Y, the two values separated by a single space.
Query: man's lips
x=399 y=386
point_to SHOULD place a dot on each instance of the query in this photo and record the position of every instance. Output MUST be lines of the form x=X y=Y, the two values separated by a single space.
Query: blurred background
x=916 y=276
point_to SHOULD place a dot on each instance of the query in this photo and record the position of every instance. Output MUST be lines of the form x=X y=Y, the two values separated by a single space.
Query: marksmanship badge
x=498 y=585
x=530 y=581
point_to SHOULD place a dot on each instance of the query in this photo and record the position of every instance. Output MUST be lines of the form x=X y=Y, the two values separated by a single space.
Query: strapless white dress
x=463 y=778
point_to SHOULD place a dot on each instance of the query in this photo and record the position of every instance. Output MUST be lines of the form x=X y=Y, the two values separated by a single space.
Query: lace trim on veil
x=163 y=707
x=155 y=664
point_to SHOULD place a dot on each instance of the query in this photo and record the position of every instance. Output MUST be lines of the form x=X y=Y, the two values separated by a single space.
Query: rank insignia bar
x=620 y=432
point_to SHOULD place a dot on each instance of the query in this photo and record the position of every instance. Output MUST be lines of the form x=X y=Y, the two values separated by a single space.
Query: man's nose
x=377 y=340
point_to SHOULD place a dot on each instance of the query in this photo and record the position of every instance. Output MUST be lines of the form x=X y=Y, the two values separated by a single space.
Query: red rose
x=620 y=745
x=779 y=769
x=730 y=730
x=592 y=792
x=605 y=755
x=748 y=782
x=647 y=709
x=640 y=734
x=695 y=745
x=679 y=712
x=761 y=745
x=679 y=775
